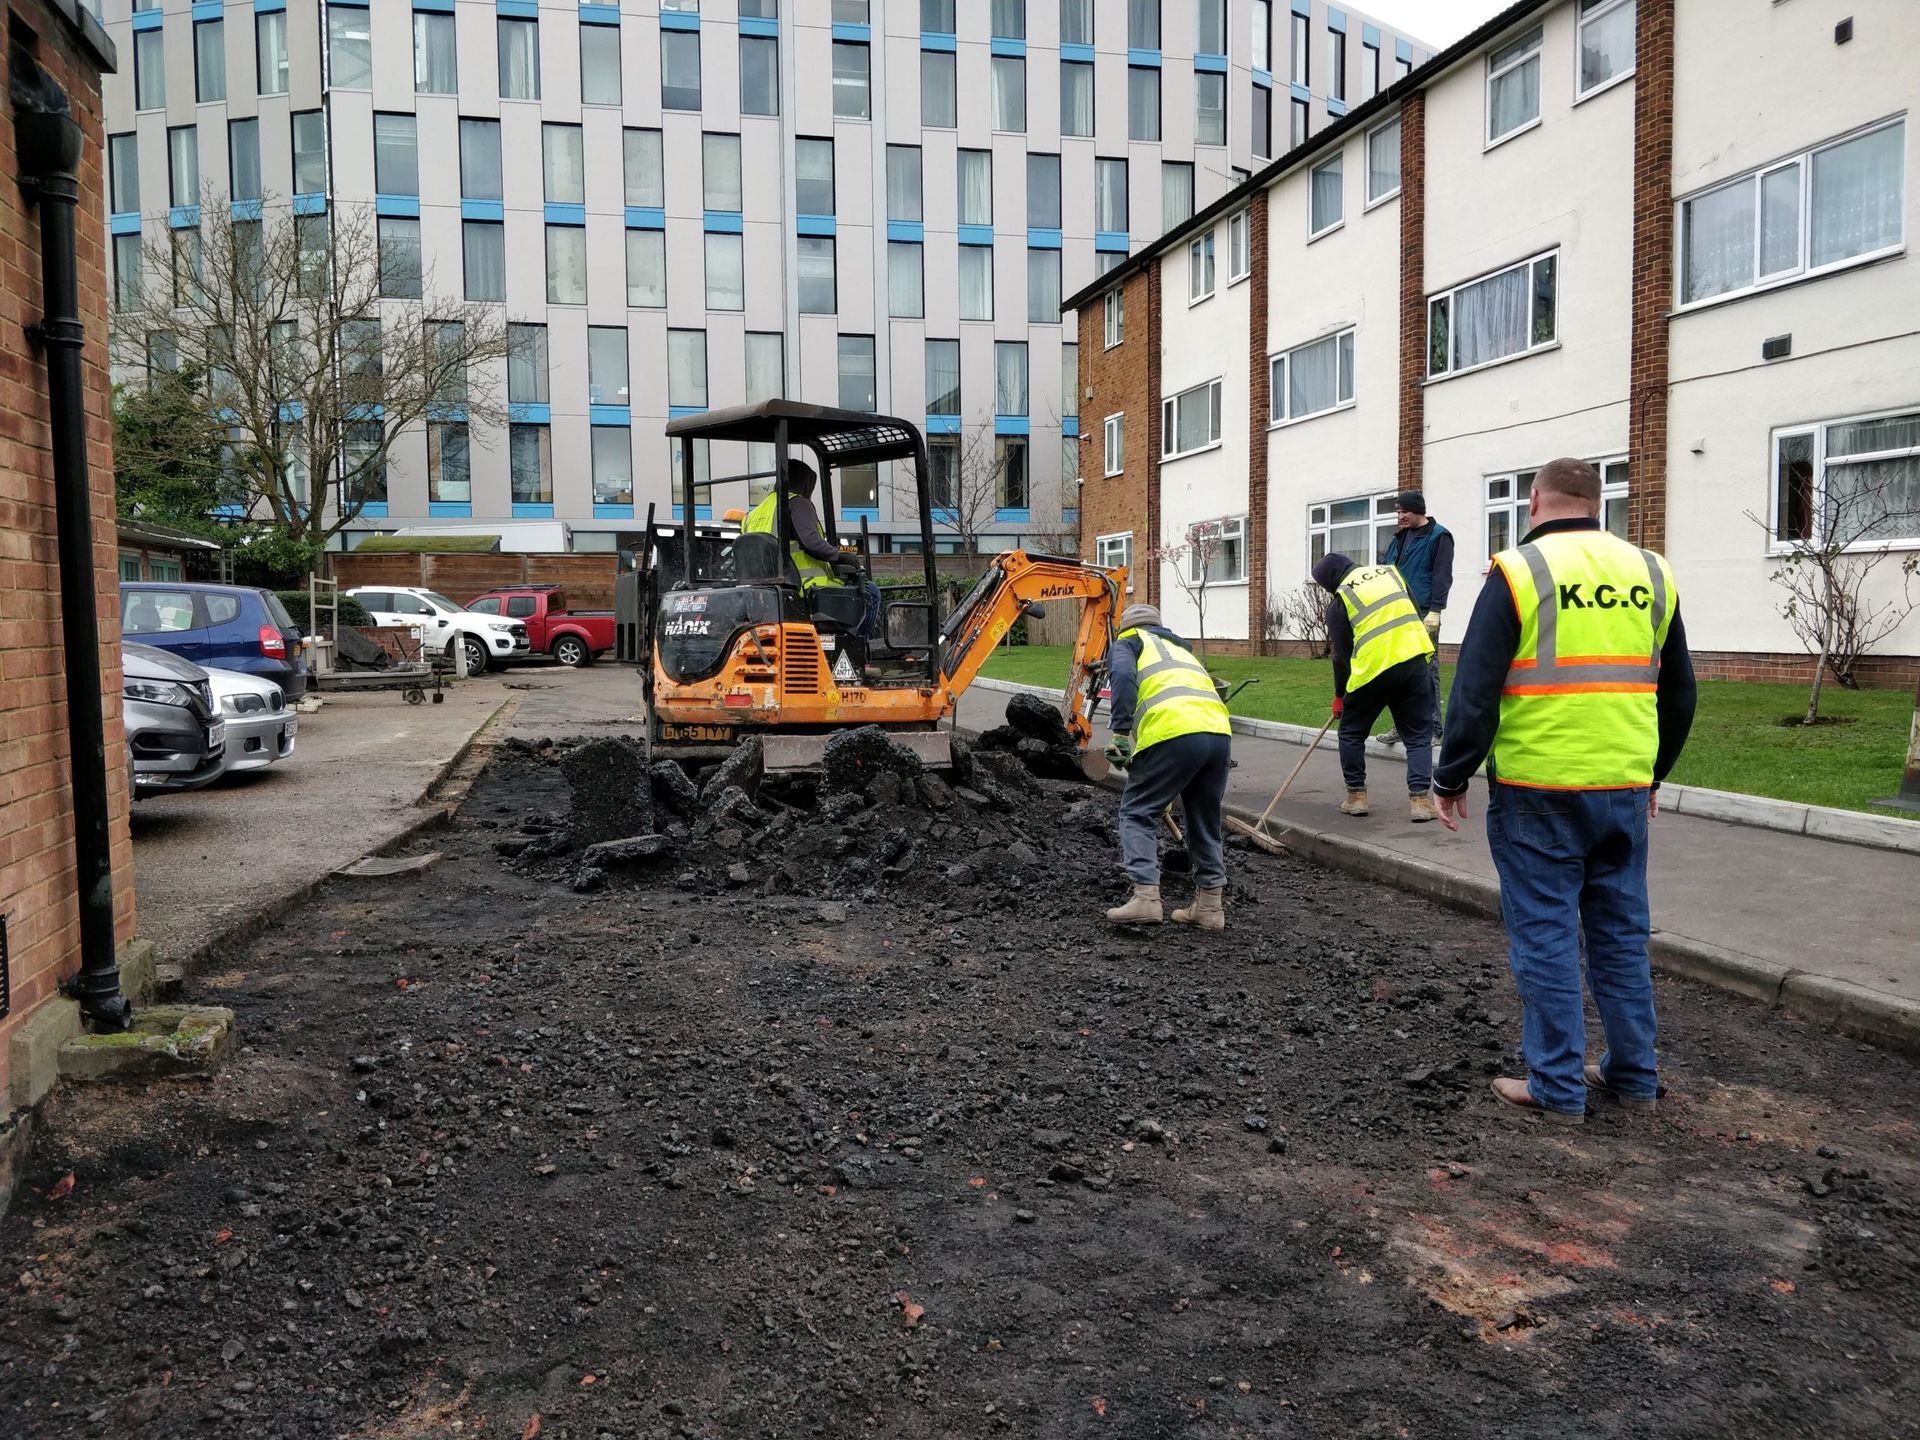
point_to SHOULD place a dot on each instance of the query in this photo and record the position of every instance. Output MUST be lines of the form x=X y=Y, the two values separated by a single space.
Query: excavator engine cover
x=697 y=627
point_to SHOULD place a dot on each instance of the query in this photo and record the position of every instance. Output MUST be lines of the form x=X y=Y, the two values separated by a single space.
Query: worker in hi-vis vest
x=817 y=560
x=1381 y=651
x=1170 y=731
x=1574 y=686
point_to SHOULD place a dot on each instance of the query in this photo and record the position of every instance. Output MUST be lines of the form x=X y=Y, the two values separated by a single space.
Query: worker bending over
x=817 y=559
x=1574 y=685
x=1170 y=731
x=1380 y=654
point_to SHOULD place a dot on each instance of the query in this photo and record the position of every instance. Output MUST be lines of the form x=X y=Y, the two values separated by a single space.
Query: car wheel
x=570 y=651
x=476 y=656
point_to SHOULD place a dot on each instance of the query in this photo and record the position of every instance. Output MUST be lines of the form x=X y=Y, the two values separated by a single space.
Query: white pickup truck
x=488 y=639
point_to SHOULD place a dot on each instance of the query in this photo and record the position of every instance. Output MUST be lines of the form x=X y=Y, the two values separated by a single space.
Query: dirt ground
x=691 y=1151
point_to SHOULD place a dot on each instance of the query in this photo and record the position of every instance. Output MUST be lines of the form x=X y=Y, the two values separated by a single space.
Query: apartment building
x=1575 y=232
x=685 y=204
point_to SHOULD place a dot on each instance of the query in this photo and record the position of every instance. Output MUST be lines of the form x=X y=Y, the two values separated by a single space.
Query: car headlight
x=245 y=703
x=157 y=692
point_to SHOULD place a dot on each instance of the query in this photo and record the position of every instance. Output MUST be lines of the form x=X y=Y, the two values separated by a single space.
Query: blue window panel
x=251 y=209
x=812 y=224
x=1263 y=78
x=1336 y=107
x=397 y=205
x=943 y=424
x=976 y=234
x=1043 y=239
x=1012 y=425
x=609 y=415
x=1016 y=49
x=373 y=509
x=762 y=25
x=292 y=411
x=209 y=9
x=859 y=34
x=1080 y=53
x=946 y=517
x=1336 y=20
x=483 y=210
x=314 y=202
x=1111 y=240
x=1403 y=49
x=1216 y=63
x=147 y=19
x=861 y=512
x=1022 y=516
x=1069 y=424
x=449 y=510
x=1149 y=58
x=674 y=412
x=445 y=6
x=719 y=222
x=1069 y=514
x=561 y=214
x=239 y=512
x=610 y=512
x=646 y=217
x=183 y=217
x=940 y=40
x=366 y=412
x=260 y=6
x=700 y=512
x=518 y=9
x=1300 y=92
x=529 y=414
x=532 y=512
x=1303 y=7
x=601 y=15
x=228 y=417
x=127 y=222
x=444 y=414
x=910 y=232
x=1369 y=35
x=678 y=20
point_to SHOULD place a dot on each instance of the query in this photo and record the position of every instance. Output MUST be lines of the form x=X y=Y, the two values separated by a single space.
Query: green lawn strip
x=1737 y=743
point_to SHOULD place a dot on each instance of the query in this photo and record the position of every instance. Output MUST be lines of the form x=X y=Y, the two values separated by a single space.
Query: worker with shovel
x=1170 y=733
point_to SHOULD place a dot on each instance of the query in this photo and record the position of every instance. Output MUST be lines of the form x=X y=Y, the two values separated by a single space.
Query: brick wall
x=1151 y=568
x=1653 y=227
x=1119 y=379
x=1259 y=485
x=1876 y=672
x=36 y=820
x=1413 y=290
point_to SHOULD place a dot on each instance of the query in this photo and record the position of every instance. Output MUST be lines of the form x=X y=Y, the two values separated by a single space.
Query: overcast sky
x=1440 y=22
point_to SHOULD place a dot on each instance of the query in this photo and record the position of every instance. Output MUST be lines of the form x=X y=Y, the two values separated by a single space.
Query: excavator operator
x=814 y=556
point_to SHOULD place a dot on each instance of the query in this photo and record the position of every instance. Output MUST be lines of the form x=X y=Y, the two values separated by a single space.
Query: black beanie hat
x=1412 y=501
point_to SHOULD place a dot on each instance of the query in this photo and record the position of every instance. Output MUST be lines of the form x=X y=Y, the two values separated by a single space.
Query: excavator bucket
x=785 y=754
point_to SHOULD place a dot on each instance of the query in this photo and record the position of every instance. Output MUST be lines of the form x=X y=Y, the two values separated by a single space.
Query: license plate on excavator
x=711 y=734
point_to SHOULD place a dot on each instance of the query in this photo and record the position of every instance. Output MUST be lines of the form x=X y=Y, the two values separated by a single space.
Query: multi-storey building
x=1569 y=234
x=693 y=203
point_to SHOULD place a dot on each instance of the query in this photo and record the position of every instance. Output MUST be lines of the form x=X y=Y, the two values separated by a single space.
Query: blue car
x=226 y=627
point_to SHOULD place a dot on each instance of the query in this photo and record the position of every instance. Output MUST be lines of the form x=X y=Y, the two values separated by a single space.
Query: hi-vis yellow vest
x=760 y=521
x=1176 y=695
x=1386 y=624
x=1578 y=711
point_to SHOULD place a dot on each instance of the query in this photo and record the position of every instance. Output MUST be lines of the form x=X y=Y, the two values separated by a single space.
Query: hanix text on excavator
x=733 y=644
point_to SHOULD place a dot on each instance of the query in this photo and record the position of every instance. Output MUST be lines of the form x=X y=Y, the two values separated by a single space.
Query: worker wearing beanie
x=1422 y=551
x=1170 y=731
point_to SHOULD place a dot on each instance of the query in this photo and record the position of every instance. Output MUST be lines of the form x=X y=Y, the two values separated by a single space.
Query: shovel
x=1177 y=861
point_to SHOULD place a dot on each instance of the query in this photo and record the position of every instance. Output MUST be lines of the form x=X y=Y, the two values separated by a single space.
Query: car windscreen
x=438 y=601
x=277 y=612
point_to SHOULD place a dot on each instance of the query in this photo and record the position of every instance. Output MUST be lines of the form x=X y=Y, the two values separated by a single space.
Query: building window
x=943 y=472
x=856 y=369
x=1239 y=246
x=976 y=282
x=647 y=269
x=1115 y=552
x=1113 y=310
x=1296 y=123
x=1838 y=205
x=1009 y=19
x=975 y=187
x=1190 y=421
x=1210 y=27
x=123 y=173
x=530 y=464
x=349 y=47
x=1513 y=86
x=1113 y=444
x=519 y=42
x=1076 y=97
x=1176 y=192
x=1300 y=41
x=399 y=258
x=726 y=273
x=851 y=12
x=563 y=164
x=183 y=165
x=938 y=108
x=1010 y=466
x=243 y=159
x=612 y=458
x=1383 y=162
x=1263 y=34
x=1076 y=22
x=1507 y=313
x=1209 y=108
x=599 y=64
x=607 y=365
x=1402 y=68
x=1143 y=24
x=903 y=182
x=1336 y=64
x=1110 y=195
x=126 y=269
x=1262 y=121
x=449 y=469
x=270 y=51
x=1311 y=379
x=1856 y=479
x=209 y=61
x=364 y=462
x=189 y=252
x=483 y=246
x=309 y=152
x=687 y=368
x=851 y=81
x=448 y=339
x=435 y=68
x=1070 y=378
x=759 y=75
x=679 y=70
x=527 y=365
x=1360 y=528
x=645 y=177
x=702 y=455
x=1227 y=562
x=1606 y=43
x=566 y=265
x=1507 y=496
x=396 y=155
x=720 y=173
x=1009 y=85
x=1043 y=287
x=1143 y=102
x=766 y=370
x=149 y=70
x=1369 y=70
x=480 y=177
x=860 y=488
x=1010 y=377
x=943 y=377
x=1329 y=196
x=1200 y=269
x=813 y=176
x=761 y=9
x=818 y=291
x=906 y=280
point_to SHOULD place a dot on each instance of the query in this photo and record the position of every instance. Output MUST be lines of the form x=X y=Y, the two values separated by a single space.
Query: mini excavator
x=733 y=645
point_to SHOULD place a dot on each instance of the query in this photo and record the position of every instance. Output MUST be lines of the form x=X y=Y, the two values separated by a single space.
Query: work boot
x=1597 y=1081
x=1516 y=1094
x=1355 y=803
x=1388 y=737
x=1142 y=909
x=1208 y=910
x=1420 y=809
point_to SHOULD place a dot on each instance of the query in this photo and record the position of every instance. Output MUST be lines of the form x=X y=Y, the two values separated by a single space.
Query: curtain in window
x=599 y=64
x=183 y=164
x=449 y=475
x=1717 y=237
x=1009 y=93
x=643 y=168
x=565 y=164
x=210 y=60
x=1328 y=194
x=527 y=364
x=937 y=106
x=1780 y=220
x=1076 y=98
x=309 y=152
x=1313 y=377
x=903 y=182
x=1143 y=24
x=720 y=171
x=1874 y=499
x=726 y=274
x=1009 y=378
x=976 y=282
x=396 y=155
x=1070 y=378
x=270 y=39
x=937 y=16
x=1383 y=161
x=399 y=258
x=647 y=269
x=1043 y=287
x=943 y=377
x=1076 y=22
x=1606 y=46
x=485 y=254
x=480 y=160
x=686 y=367
x=1110 y=195
x=1010 y=19
x=433 y=55
x=243 y=155
x=530 y=463
x=976 y=187
x=816 y=274
x=149 y=70
x=519 y=59
x=905 y=281
x=766 y=367
x=566 y=265
x=1211 y=27
x=1513 y=99
x=1209 y=108
x=1492 y=318
x=1143 y=103
x=1176 y=193
x=1857 y=196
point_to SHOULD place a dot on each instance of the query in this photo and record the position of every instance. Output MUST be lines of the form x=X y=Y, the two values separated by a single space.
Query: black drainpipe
x=47 y=145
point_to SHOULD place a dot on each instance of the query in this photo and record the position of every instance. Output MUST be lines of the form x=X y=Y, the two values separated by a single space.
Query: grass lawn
x=1737 y=742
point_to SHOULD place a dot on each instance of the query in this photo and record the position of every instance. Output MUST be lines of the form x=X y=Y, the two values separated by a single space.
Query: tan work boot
x=1355 y=803
x=1208 y=910
x=1142 y=909
x=1420 y=809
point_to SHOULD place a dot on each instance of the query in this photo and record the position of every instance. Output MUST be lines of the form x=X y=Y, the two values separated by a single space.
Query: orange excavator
x=733 y=645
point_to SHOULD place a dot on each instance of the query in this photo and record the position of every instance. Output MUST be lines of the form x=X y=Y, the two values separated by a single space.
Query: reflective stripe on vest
x=1386 y=626
x=1578 y=710
x=760 y=521
x=1175 y=695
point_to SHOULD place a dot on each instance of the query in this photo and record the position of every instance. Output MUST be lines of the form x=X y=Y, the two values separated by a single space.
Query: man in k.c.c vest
x=1171 y=731
x=1380 y=653
x=1574 y=685
x=814 y=557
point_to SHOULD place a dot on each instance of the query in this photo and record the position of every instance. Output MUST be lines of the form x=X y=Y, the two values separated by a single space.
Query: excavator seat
x=757 y=559
x=843 y=606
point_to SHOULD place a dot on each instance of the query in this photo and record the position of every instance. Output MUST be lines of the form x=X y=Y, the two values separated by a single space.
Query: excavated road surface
x=675 y=1157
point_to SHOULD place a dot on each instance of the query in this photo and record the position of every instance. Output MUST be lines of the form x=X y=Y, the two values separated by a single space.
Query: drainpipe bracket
x=51 y=332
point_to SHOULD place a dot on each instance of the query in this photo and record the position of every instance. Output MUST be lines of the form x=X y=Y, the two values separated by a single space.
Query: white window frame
x=1801 y=270
x=1231 y=527
x=1382 y=515
x=1532 y=56
x=1532 y=347
x=1119 y=544
x=1113 y=311
x=1113 y=443
x=1170 y=407
x=1339 y=158
x=1201 y=268
x=1281 y=360
x=1367 y=159
x=1818 y=429
x=1500 y=494
x=1580 y=24
x=1239 y=250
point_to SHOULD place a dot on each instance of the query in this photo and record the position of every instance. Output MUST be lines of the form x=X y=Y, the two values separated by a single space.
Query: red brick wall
x=1111 y=504
x=1413 y=290
x=1652 y=274
x=1876 y=672
x=1151 y=568
x=36 y=820
x=1258 y=484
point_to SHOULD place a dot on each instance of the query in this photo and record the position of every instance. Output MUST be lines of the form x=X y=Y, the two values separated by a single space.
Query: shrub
x=352 y=612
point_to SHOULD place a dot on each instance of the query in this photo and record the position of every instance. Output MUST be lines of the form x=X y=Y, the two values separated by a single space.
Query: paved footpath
x=1824 y=929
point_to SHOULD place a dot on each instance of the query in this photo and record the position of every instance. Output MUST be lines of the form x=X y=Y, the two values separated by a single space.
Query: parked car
x=175 y=736
x=231 y=627
x=573 y=637
x=443 y=624
x=260 y=727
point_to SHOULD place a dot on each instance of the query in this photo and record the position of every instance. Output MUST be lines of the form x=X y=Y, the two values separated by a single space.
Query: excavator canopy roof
x=849 y=437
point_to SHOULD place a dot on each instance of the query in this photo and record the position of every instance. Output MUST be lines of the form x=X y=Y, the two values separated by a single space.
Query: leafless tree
x=967 y=486
x=312 y=369
x=1300 y=613
x=1192 y=564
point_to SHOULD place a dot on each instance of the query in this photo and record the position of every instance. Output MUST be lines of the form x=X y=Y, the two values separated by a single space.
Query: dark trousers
x=1407 y=690
x=1193 y=770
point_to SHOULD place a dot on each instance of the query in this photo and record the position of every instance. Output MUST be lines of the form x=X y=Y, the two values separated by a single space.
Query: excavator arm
x=1015 y=584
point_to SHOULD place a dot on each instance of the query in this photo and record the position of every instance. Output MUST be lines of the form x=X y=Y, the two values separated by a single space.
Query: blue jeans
x=1574 y=863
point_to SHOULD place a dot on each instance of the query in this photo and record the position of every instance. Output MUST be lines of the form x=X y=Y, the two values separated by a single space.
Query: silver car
x=176 y=739
x=260 y=727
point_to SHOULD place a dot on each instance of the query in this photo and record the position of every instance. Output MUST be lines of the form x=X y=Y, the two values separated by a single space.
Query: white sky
x=1439 y=22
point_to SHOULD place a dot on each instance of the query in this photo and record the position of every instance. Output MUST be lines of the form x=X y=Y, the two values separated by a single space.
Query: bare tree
x=1300 y=613
x=1192 y=563
x=1846 y=529
x=312 y=368
x=967 y=486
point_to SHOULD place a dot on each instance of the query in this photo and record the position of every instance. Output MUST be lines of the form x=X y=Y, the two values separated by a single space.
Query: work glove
x=1432 y=622
x=1339 y=705
x=1119 y=751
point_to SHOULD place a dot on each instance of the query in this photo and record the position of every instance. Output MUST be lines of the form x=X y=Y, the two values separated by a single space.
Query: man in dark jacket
x=1422 y=551
x=1381 y=650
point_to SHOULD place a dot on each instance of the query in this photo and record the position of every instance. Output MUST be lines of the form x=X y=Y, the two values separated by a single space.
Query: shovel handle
x=1287 y=784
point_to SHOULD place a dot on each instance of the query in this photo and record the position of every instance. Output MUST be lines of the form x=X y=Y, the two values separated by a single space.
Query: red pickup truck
x=573 y=637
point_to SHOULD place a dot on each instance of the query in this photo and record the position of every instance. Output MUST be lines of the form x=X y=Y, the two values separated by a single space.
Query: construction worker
x=816 y=558
x=1422 y=551
x=1575 y=687
x=1170 y=732
x=1380 y=654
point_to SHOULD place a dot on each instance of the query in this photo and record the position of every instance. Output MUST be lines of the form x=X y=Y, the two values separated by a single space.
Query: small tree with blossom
x=1192 y=561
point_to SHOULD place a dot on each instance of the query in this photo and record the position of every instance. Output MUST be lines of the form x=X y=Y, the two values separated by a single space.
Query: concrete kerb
x=1821 y=822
